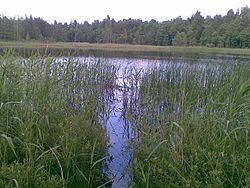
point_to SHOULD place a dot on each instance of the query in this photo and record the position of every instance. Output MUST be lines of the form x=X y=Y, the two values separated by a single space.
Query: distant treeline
x=231 y=30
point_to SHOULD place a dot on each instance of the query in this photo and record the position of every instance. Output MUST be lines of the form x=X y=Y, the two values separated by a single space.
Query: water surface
x=119 y=127
x=132 y=67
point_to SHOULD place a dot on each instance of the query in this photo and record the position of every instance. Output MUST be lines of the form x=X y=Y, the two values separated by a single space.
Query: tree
x=180 y=39
x=245 y=37
x=231 y=30
x=197 y=23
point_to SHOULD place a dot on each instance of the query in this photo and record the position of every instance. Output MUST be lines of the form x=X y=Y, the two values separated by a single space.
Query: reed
x=192 y=125
x=191 y=122
x=50 y=130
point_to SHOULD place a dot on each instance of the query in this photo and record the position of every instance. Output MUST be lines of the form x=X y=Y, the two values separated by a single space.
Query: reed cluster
x=192 y=126
x=50 y=129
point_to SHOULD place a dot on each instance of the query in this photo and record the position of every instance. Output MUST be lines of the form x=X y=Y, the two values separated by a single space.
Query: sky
x=90 y=10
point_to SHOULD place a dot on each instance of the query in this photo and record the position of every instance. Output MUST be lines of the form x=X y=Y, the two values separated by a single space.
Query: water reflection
x=27 y=52
x=119 y=127
x=120 y=123
x=125 y=95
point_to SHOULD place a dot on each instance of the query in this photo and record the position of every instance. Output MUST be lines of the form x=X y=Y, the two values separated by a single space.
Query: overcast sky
x=90 y=10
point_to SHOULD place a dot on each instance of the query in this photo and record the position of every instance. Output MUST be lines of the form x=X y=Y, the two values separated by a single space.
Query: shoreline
x=123 y=47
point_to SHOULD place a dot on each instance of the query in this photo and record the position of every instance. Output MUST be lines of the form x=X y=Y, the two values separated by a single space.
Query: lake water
x=119 y=129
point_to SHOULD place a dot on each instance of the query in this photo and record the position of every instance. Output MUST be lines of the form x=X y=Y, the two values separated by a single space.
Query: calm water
x=119 y=128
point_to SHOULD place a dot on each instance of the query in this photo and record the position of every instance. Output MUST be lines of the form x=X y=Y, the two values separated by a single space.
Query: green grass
x=192 y=124
x=50 y=132
x=123 y=47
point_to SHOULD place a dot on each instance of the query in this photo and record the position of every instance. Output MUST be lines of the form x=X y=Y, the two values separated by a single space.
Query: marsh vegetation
x=184 y=122
x=192 y=124
x=50 y=132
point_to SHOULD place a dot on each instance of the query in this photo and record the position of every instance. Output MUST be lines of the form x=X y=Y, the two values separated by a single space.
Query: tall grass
x=192 y=123
x=50 y=132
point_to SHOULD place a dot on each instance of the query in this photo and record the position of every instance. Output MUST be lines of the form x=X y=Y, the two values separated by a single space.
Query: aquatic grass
x=49 y=121
x=193 y=122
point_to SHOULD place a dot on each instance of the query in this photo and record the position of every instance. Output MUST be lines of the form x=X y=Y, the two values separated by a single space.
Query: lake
x=120 y=127
x=164 y=113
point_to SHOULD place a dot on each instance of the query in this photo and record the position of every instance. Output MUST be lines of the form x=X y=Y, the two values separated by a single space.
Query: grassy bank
x=192 y=124
x=124 y=47
x=50 y=133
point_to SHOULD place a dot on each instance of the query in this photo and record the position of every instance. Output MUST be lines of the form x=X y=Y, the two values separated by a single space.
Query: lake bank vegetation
x=192 y=126
x=82 y=48
x=50 y=131
x=190 y=122
x=229 y=31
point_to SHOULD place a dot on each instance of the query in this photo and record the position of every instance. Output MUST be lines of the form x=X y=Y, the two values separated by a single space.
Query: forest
x=231 y=30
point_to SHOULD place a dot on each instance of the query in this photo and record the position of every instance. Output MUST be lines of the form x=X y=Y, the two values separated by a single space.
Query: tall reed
x=50 y=132
x=192 y=124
